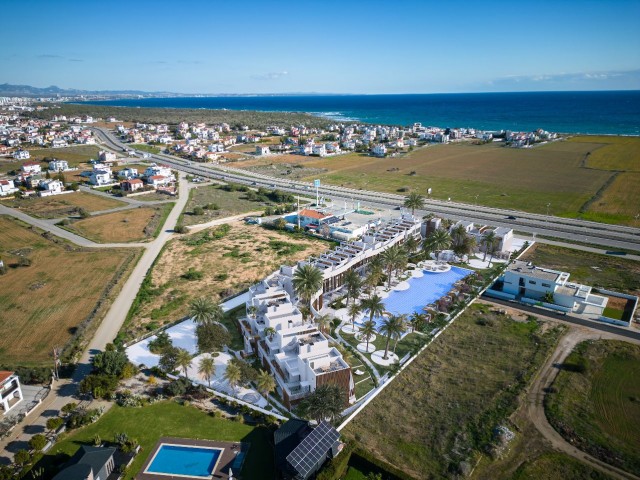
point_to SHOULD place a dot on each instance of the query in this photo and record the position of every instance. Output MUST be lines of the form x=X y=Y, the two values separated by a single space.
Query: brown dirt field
x=229 y=265
x=63 y=205
x=125 y=226
x=42 y=304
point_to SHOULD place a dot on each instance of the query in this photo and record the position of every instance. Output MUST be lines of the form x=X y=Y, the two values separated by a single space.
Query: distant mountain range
x=9 y=90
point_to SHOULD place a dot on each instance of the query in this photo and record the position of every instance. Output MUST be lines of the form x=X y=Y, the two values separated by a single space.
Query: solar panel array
x=313 y=448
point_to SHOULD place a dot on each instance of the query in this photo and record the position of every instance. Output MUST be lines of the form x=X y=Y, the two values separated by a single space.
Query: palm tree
x=323 y=321
x=368 y=331
x=233 y=375
x=391 y=326
x=354 y=310
x=183 y=360
x=252 y=310
x=307 y=280
x=327 y=401
x=373 y=278
x=400 y=328
x=353 y=283
x=265 y=383
x=489 y=242
x=374 y=305
x=393 y=259
x=205 y=312
x=437 y=241
x=414 y=200
x=206 y=368
x=417 y=321
x=411 y=244
x=270 y=332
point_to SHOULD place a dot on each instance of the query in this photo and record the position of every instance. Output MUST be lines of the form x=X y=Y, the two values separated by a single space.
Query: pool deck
x=229 y=450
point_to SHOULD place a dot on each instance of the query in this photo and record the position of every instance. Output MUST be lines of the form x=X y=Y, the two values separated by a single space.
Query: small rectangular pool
x=185 y=461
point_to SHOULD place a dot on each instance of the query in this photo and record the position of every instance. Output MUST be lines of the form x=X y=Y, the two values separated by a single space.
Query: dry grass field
x=43 y=304
x=438 y=417
x=226 y=263
x=566 y=174
x=63 y=205
x=133 y=225
x=75 y=155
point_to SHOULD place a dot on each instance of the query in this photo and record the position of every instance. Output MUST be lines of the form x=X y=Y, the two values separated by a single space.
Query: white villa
x=50 y=187
x=159 y=170
x=21 y=155
x=262 y=150
x=295 y=351
x=7 y=187
x=106 y=156
x=58 y=166
x=10 y=391
x=128 y=173
x=526 y=280
x=503 y=235
x=100 y=177
x=31 y=168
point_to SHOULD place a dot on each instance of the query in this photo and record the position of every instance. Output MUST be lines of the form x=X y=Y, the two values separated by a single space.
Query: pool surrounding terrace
x=422 y=291
x=196 y=459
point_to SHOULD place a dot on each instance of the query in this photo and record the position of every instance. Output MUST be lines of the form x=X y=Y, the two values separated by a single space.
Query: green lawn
x=148 y=424
x=597 y=404
x=557 y=466
x=613 y=313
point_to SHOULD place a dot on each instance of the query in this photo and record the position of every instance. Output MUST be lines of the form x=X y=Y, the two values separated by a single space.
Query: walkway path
x=220 y=221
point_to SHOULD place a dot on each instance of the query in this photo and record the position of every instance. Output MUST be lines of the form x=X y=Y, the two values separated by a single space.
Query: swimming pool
x=422 y=291
x=184 y=460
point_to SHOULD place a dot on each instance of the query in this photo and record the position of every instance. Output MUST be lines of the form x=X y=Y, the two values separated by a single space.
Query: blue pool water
x=422 y=291
x=183 y=460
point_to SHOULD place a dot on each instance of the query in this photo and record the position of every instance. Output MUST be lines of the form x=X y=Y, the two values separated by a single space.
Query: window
x=546 y=285
x=532 y=282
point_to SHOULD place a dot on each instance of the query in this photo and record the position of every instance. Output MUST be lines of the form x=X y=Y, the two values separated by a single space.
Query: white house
x=50 y=187
x=319 y=150
x=10 y=391
x=128 y=173
x=58 y=166
x=21 y=155
x=100 y=177
x=158 y=180
x=262 y=150
x=160 y=170
x=7 y=188
x=379 y=150
x=106 y=156
x=31 y=168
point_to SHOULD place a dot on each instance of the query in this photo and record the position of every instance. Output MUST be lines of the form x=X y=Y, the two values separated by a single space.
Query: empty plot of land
x=216 y=203
x=74 y=155
x=612 y=153
x=440 y=414
x=42 y=304
x=215 y=263
x=596 y=404
x=63 y=205
x=133 y=225
x=593 y=269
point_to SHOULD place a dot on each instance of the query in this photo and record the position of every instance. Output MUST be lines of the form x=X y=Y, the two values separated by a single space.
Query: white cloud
x=270 y=75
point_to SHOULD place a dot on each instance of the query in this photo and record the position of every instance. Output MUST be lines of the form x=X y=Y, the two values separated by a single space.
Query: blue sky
x=330 y=46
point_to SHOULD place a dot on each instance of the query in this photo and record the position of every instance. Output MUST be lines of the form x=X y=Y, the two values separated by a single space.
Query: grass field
x=227 y=263
x=598 y=409
x=442 y=410
x=133 y=225
x=593 y=269
x=556 y=466
x=75 y=155
x=522 y=179
x=149 y=423
x=143 y=147
x=59 y=206
x=229 y=204
x=44 y=304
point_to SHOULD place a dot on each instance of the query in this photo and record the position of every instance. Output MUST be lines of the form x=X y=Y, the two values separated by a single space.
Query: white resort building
x=294 y=350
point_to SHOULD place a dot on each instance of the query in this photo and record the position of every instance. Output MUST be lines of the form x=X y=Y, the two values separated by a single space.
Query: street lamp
x=548 y=205
x=476 y=200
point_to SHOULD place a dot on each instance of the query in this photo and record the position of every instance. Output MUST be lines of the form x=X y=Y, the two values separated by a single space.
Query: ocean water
x=611 y=113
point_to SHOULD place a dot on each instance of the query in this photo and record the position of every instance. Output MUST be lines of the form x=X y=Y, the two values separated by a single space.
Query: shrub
x=198 y=210
x=180 y=229
x=99 y=385
x=159 y=344
x=54 y=423
x=110 y=362
x=83 y=213
x=69 y=407
x=22 y=457
x=38 y=442
x=193 y=274
x=177 y=388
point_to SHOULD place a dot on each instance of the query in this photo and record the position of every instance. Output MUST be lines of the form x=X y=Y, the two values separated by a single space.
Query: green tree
x=417 y=321
x=394 y=258
x=323 y=321
x=212 y=337
x=183 y=360
x=159 y=344
x=389 y=327
x=233 y=375
x=326 y=402
x=280 y=223
x=207 y=368
x=489 y=241
x=400 y=327
x=270 y=332
x=374 y=305
x=414 y=201
x=367 y=331
x=548 y=297
x=204 y=311
x=169 y=359
x=110 y=362
x=353 y=284
x=265 y=383
x=22 y=457
x=38 y=442
x=307 y=280
x=437 y=241
x=354 y=310
x=411 y=245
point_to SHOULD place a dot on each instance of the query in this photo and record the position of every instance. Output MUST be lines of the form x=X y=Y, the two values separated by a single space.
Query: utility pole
x=298 y=215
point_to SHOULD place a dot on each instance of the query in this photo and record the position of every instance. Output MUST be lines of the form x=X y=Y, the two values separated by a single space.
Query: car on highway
x=511 y=217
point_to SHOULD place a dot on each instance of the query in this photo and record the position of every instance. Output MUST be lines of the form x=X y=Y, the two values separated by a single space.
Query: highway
x=615 y=237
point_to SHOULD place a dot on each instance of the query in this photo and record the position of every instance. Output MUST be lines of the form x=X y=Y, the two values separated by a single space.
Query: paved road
x=614 y=236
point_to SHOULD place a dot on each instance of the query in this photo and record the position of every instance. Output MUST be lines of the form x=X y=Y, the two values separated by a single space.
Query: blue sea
x=611 y=113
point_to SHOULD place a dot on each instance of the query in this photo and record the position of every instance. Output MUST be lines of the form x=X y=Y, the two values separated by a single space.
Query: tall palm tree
x=411 y=244
x=417 y=321
x=205 y=312
x=489 y=242
x=393 y=258
x=374 y=305
x=327 y=401
x=265 y=383
x=373 y=277
x=183 y=360
x=307 y=280
x=233 y=375
x=323 y=321
x=354 y=310
x=206 y=368
x=414 y=200
x=388 y=327
x=400 y=328
x=353 y=284
x=437 y=241
x=270 y=332
x=367 y=331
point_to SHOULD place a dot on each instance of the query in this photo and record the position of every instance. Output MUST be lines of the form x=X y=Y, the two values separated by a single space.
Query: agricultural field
x=438 y=417
x=616 y=273
x=216 y=262
x=58 y=206
x=50 y=290
x=216 y=203
x=560 y=173
x=595 y=402
x=134 y=225
x=178 y=420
